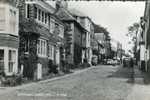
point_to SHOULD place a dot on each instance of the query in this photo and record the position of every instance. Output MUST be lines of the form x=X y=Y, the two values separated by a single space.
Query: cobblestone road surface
x=99 y=83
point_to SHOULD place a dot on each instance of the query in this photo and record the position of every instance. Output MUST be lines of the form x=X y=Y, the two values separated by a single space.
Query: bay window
x=42 y=48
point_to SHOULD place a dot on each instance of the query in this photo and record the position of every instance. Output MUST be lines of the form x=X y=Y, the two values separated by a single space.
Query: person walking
x=131 y=63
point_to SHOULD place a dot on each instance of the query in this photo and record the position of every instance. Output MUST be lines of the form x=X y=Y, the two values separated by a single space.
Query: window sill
x=42 y=56
x=50 y=58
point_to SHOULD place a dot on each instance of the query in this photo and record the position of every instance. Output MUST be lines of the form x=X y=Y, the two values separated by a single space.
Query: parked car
x=105 y=61
x=109 y=61
x=116 y=61
x=94 y=60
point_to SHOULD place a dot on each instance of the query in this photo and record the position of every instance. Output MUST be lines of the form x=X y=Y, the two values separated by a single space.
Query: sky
x=116 y=16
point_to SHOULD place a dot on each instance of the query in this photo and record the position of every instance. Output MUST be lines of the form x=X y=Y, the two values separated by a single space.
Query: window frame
x=11 y=60
x=27 y=10
x=42 y=48
x=51 y=51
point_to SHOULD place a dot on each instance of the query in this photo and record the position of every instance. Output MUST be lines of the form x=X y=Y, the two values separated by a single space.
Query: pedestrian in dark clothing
x=131 y=62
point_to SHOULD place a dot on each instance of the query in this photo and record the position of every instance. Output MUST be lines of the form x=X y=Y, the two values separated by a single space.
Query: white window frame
x=13 y=20
x=51 y=52
x=40 y=20
x=61 y=30
x=42 y=48
x=52 y=25
x=6 y=61
x=26 y=10
x=11 y=61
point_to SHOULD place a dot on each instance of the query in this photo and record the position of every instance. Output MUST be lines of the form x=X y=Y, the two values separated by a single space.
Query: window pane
x=42 y=16
x=10 y=55
x=41 y=47
x=45 y=47
x=45 y=18
x=2 y=19
x=35 y=15
x=39 y=14
x=1 y=59
x=14 y=56
x=12 y=60
x=38 y=47
x=28 y=9
x=52 y=25
x=12 y=21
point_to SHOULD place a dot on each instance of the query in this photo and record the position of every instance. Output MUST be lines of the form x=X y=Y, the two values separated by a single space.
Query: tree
x=132 y=34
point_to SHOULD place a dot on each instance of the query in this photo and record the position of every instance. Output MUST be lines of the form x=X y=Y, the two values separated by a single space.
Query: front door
x=39 y=71
x=1 y=60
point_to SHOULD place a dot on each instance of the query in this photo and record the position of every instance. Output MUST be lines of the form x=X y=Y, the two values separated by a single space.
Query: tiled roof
x=77 y=13
x=28 y=26
x=64 y=14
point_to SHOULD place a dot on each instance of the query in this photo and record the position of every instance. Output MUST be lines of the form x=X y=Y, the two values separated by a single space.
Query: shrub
x=53 y=68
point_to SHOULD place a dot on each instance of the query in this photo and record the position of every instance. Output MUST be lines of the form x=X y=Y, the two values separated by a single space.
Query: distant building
x=116 y=48
x=73 y=34
x=87 y=23
x=102 y=35
x=101 y=40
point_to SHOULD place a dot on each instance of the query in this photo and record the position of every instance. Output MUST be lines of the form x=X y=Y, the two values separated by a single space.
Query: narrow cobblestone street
x=98 y=83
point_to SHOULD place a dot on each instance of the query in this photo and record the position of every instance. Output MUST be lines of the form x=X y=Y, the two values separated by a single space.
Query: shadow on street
x=133 y=75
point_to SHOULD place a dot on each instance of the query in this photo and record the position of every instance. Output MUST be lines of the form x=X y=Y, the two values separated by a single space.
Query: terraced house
x=87 y=23
x=9 y=41
x=73 y=34
x=41 y=38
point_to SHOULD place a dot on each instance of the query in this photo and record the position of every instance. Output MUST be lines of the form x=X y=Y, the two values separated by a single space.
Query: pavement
x=141 y=87
x=74 y=72
x=103 y=82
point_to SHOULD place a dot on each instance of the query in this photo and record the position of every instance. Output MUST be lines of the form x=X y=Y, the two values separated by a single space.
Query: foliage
x=132 y=34
x=28 y=60
x=132 y=31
